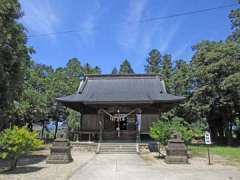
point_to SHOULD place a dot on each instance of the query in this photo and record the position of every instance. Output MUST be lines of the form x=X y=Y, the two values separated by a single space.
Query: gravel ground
x=135 y=167
x=38 y=169
x=88 y=166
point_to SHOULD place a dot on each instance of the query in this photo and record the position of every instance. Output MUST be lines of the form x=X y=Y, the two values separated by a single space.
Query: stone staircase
x=124 y=135
x=117 y=148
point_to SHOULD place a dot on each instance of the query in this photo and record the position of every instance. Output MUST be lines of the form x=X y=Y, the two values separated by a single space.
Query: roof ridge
x=124 y=76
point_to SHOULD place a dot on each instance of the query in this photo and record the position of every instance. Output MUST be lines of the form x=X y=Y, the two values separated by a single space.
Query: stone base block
x=176 y=160
x=60 y=154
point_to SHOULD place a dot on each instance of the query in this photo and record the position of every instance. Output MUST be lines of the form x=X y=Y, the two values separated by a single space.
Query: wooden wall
x=91 y=121
x=147 y=120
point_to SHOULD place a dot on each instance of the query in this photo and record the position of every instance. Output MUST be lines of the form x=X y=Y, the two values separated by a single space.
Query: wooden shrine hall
x=119 y=107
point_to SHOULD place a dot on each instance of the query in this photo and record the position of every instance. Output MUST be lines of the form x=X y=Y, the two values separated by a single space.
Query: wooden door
x=108 y=124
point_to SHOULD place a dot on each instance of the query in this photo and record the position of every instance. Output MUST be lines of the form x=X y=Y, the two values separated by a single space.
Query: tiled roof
x=121 y=88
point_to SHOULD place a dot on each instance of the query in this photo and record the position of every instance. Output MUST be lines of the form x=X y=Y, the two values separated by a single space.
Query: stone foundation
x=60 y=152
x=143 y=148
x=176 y=150
x=84 y=146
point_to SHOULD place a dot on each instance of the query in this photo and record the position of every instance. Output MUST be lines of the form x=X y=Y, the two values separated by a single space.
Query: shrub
x=186 y=133
x=161 y=130
x=16 y=142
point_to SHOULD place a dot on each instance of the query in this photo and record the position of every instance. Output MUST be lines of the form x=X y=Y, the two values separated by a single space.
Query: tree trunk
x=30 y=126
x=43 y=125
x=13 y=164
x=56 y=128
x=229 y=134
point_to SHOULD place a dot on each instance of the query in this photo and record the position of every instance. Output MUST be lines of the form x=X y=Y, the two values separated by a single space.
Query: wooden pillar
x=139 y=124
x=79 y=137
x=100 y=120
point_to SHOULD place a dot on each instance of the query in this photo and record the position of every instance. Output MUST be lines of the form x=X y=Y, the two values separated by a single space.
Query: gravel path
x=42 y=171
x=88 y=166
x=135 y=167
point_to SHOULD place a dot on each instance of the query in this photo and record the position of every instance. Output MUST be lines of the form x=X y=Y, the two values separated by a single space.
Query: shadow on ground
x=22 y=170
x=32 y=159
x=22 y=164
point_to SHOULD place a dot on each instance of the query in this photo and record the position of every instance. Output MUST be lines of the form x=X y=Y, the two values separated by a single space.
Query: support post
x=100 y=125
x=139 y=124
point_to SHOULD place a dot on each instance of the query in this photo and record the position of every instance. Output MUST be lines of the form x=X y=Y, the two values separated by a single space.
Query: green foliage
x=14 y=56
x=16 y=142
x=114 y=70
x=237 y=129
x=125 y=68
x=230 y=153
x=161 y=130
x=186 y=133
x=234 y=17
x=41 y=87
x=166 y=70
x=216 y=67
x=153 y=62
x=73 y=119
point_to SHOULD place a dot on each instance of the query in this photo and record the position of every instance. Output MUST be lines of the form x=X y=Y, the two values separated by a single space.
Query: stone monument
x=176 y=150
x=60 y=152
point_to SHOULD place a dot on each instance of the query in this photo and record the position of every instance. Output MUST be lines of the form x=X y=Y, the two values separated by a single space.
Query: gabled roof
x=134 y=88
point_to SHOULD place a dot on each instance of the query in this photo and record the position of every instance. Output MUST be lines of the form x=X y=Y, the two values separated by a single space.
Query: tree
x=153 y=62
x=181 y=78
x=166 y=70
x=35 y=97
x=114 y=71
x=161 y=129
x=181 y=83
x=216 y=67
x=14 y=56
x=97 y=70
x=73 y=68
x=125 y=68
x=234 y=17
x=16 y=142
x=73 y=119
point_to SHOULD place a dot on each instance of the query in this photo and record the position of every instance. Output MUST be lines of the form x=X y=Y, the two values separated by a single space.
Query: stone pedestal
x=60 y=152
x=176 y=150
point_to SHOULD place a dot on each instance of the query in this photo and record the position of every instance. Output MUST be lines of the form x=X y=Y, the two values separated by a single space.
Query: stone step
x=115 y=148
x=103 y=148
x=111 y=152
x=118 y=146
x=108 y=148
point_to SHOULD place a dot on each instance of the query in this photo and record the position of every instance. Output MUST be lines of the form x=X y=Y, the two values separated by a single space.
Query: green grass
x=230 y=153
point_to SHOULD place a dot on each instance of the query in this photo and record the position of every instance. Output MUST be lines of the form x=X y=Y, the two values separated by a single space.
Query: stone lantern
x=61 y=150
x=176 y=150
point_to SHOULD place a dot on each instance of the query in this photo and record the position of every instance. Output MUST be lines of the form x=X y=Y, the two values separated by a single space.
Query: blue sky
x=103 y=35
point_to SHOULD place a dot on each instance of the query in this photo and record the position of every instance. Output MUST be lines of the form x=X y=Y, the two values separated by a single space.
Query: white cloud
x=127 y=37
x=39 y=17
x=88 y=25
x=169 y=37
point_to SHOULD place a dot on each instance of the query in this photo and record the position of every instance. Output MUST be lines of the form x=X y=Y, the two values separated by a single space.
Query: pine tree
x=114 y=70
x=153 y=62
x=125 y=68
x=166 y=70
x=14 y=56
